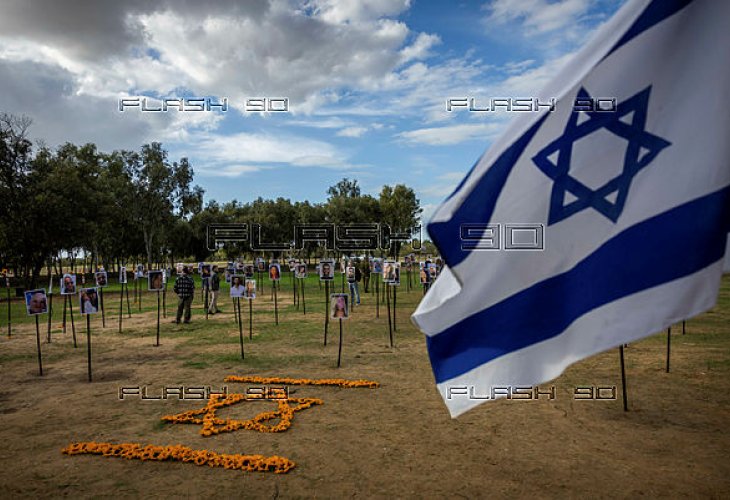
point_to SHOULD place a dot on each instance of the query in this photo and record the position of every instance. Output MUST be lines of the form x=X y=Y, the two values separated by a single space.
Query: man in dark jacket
x=215 y=286
x=184 y=288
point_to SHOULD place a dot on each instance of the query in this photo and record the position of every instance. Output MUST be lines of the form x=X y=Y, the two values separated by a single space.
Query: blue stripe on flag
x=645 y=255
x=656 y=12
x=479 y=204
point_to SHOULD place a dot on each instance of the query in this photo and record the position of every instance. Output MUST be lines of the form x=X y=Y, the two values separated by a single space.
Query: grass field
x=393 y=441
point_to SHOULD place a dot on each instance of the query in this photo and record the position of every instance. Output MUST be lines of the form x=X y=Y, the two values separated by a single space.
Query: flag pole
x=669 y=345
x=623 y=379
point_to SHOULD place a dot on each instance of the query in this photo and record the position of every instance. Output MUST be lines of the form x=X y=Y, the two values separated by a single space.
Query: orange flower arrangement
x=212 y=425
x=252 y=463
x=303 y=381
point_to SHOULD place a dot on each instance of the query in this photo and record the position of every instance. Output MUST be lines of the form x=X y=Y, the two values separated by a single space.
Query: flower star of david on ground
x=206 y=416
x=627 y=122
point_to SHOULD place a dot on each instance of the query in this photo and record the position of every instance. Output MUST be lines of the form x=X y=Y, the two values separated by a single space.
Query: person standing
x=365 y=270
x=184 y=288
x=215 y=286
x=352 y=280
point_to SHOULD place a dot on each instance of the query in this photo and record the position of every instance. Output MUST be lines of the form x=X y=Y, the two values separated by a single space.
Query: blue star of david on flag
x=641 y=150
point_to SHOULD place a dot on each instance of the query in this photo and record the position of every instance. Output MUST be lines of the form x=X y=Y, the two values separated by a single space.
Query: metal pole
x=669 y=345
x=121 y=307
x=9 y=317
x=276 y=303
x=50 y=313
x=237 y=313
x=38 y=344
x=158 y=318
x=71 y=314
x=101 y=301
x=88 y=342
x=339 y=350
x=304 y=302
x=390 y=326
x=326 y=309
x=623 y=379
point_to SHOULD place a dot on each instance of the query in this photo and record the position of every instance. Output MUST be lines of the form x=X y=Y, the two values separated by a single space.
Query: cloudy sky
x=367 y=83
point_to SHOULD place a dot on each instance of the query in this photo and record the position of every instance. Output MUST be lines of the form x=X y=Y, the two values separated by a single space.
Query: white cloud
x=453 y=134
x=537 y=16
x=305 y=50
x=420 y=49
x=352 y=132
x=343 y=11
x=245 y=153
x=231 y=170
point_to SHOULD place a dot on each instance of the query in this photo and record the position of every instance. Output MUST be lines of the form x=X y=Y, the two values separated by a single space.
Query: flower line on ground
x=212 y=425
x=340 y=382
x=130 y=451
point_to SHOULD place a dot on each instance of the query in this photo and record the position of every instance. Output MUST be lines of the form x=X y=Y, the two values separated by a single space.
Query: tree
x=163 y=192
x=345 y=188
x=401 y=209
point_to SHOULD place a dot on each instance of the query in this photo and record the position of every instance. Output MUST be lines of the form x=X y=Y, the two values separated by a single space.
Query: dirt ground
x=394 y=441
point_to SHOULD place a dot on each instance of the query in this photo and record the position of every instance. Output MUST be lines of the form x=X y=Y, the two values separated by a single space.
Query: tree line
x=129 y=207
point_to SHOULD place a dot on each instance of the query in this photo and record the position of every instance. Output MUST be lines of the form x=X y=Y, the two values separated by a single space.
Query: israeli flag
x=629 y=203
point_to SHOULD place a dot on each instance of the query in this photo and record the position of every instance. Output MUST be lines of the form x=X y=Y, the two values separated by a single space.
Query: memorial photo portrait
x=36 y=302
x=326 y=270
x=300 y=271
x=101 y=278
x=249 y=270
x=250 y=292
x=275 y=272
x=376 y=266
x=68 y=284
x=395 y=274
x=338 y=306
x=88 y=301
x=425 y=277
x=389 y=271
x=155 y=280
x=237 y=285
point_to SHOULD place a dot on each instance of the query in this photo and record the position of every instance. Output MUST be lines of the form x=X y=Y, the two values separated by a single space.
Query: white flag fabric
x=634 y=206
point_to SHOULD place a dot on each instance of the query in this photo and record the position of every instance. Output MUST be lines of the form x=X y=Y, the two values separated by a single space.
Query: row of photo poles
x=91 y=299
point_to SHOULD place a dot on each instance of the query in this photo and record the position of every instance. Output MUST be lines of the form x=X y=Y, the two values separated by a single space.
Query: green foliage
x=113 y=208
